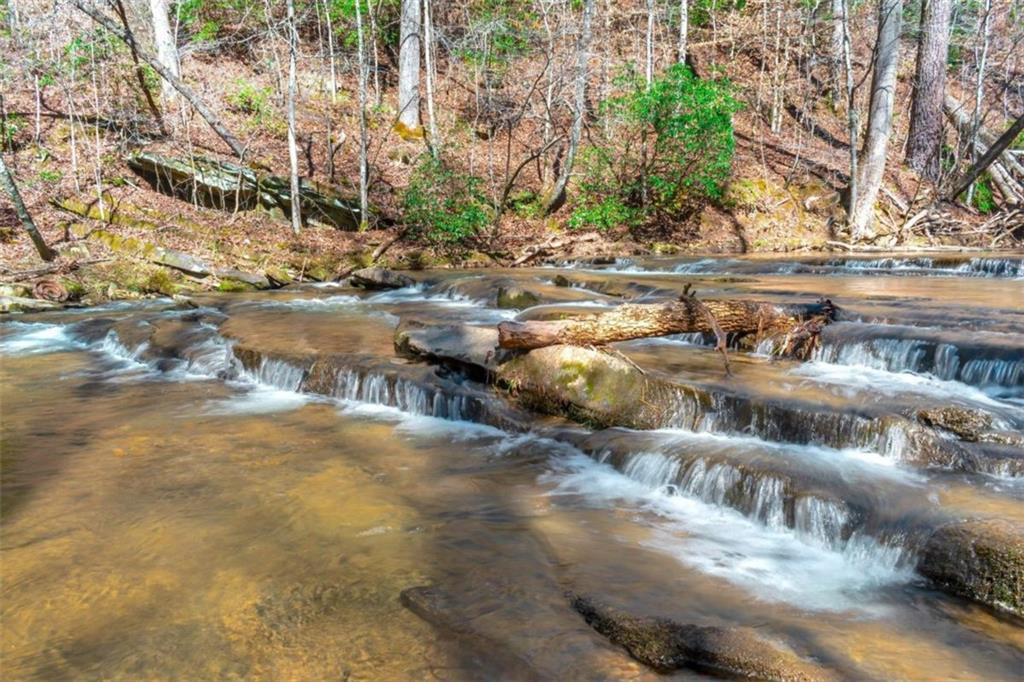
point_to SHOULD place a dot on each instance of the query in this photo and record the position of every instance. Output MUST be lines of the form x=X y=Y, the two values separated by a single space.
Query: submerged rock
x=516 y=298
x=981 y=559
x=380 y=278
x=666 y=646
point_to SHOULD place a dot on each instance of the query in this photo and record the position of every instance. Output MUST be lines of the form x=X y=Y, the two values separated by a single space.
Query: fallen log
x=795 y=327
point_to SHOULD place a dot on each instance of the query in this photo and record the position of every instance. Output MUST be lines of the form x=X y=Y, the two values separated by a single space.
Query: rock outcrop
x=229 y=187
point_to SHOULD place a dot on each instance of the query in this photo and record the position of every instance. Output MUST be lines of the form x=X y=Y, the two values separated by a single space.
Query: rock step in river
x=824 y=488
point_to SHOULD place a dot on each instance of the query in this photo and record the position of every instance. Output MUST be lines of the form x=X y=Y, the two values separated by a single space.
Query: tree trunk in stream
x=792 y=324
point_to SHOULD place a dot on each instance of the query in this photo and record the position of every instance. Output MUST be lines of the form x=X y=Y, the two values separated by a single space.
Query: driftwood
x=795 y=327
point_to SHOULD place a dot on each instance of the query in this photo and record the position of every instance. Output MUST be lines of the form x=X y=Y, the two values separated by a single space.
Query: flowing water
x=176 y=507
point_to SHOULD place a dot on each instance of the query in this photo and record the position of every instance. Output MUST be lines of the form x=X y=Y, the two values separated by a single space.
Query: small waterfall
x=982 y=372
x=820 y=522
x=379 y=389
x=764 y=498
x=279 y=374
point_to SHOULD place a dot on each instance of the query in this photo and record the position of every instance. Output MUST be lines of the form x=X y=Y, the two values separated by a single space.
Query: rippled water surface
x=172 y=512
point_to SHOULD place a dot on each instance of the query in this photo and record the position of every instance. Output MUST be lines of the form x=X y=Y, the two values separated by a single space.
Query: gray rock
x=252 y=279
x=380 y=278
x=474 y=348
x=20 y=304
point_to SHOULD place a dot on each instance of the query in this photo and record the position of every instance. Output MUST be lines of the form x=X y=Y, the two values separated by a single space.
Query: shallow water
x=170 y=514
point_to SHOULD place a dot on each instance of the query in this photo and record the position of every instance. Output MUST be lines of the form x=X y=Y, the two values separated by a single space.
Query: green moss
x=233 y=286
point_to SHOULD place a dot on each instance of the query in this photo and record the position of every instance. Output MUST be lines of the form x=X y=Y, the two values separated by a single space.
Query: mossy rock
x=516 y=298
x=593 y=388
x=982 y=560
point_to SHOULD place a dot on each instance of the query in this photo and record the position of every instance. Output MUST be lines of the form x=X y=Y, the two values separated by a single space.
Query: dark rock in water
x=561 y=281
x=439 y=608
x=966 y=423
x=667 y=646
x=229 y=187
x=516 y=298
x=380 y=278
x=472 y=348
x=981 y=559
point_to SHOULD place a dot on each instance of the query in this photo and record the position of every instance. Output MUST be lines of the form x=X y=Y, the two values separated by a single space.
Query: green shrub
x=442 y=205
x=983 y=200
x=667 y=149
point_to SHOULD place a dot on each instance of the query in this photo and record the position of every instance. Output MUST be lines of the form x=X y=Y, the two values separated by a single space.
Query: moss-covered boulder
x=593 y=387
x=516 y=298
x=667 y=646
x=980 y=559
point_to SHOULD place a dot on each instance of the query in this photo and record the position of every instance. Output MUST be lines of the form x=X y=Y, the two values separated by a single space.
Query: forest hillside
x=156 y=146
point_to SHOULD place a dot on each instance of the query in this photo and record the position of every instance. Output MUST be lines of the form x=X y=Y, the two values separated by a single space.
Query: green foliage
x=443 y=205
x=50 y=175
x=249 y=99
x=10 y=126
x=701 y=11
x=983 y=200
x=668 y=148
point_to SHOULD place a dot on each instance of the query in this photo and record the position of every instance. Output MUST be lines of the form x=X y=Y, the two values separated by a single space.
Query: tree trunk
x=836 y=49
x=140 y=74
x=187 y=92
x=293 y=152
x=363 y=145
x=409 y=71
x=987 y=158
x=557 y=197
x=678 y=317
x=925 y=142
x=979 y=88
x=428 y=54
x=684 y=29
x=852 y=118
x=883 y=96
x=649 y=61
x=11 y=189
x=163 y=41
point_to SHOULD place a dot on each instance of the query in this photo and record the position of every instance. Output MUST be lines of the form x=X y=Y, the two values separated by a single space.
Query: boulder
x=667 y=646
x=966 y=423
x=471 y=348
x=380 y=278
x=20 y=304
x=516 y=298
x=594 y=388
x=981 y=559
x=251 y=279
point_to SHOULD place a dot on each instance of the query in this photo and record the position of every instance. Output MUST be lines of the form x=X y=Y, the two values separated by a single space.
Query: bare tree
x=197 y=103
x=428 y=53
x=925 y=142
x=163 y=41
x=363 y=145
x=979 y=88
x=852 y=117
x=293 y=151
x=883 y=95
x=684 y=29
x=649 y=61
x=409 y=70
x=557 y=196
x=11 y=189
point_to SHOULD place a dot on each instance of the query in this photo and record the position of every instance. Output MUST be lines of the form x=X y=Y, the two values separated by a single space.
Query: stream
x=179 y=503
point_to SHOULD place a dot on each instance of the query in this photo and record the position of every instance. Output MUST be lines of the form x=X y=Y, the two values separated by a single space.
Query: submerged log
x=795 y=327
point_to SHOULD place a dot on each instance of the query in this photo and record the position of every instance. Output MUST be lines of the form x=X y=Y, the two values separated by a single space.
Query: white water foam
x=31 y=338
x=774 y=564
